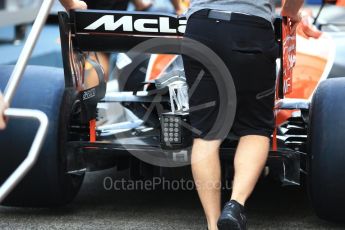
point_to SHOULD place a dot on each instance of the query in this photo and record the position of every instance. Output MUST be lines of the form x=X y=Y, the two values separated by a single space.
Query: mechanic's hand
x=293 y=21
x=73 y=4
x=141 y=5
x=3 y=107
x=180 y=11
x=306 y=28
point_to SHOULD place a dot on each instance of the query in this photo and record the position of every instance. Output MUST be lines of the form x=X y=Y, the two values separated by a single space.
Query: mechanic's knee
x=256 y=138
x=206 y=145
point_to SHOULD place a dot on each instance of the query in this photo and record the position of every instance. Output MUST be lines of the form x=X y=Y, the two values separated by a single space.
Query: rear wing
x=120 y=31
x=106 y=31
x=113 y=31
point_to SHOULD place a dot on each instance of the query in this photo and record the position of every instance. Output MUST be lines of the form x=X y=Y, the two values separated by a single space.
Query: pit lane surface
x=271 y=207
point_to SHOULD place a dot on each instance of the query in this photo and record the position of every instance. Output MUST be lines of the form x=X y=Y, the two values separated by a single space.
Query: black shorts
x=107 y=4
x=249 y=50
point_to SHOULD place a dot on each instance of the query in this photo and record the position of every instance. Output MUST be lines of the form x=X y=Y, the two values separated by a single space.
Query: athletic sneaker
x=232 y=217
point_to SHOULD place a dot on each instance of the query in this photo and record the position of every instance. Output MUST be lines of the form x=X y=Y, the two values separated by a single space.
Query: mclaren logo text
x=128 y=24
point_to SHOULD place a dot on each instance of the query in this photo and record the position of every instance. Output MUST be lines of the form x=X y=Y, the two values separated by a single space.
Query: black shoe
x=232 y=217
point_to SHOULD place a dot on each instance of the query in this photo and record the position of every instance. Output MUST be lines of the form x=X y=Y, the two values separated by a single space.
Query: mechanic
x=240 y=32
x=3 y=107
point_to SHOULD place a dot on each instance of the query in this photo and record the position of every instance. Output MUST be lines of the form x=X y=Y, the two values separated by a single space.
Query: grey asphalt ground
x=271 y=207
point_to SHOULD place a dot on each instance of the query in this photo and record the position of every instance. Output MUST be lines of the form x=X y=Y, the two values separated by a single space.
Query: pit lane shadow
x=270 y=207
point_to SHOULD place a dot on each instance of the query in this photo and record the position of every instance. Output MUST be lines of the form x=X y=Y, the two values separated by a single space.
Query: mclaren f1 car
x=152 y=133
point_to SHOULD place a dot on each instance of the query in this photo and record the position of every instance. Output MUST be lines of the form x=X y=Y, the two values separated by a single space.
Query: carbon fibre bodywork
x=111 y=31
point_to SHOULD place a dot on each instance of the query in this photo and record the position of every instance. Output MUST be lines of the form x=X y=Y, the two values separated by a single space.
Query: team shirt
x=260 y=8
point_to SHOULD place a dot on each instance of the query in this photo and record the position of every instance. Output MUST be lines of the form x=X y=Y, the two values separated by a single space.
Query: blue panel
x=314 y=1
x=47 y=51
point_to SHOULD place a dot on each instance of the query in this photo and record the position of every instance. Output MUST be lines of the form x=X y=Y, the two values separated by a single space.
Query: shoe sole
x=228 y=224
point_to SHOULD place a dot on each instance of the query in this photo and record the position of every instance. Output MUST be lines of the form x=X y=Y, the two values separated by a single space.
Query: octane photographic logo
x=161 y=183
x=222 y=77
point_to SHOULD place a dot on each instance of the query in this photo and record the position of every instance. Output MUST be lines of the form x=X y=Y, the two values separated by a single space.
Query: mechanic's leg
x=206 y=173
x=3 y=107
x=91 y=80
x=250 y=159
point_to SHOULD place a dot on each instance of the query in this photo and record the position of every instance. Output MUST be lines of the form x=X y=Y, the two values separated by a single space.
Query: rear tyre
x=47 y=184
x=326 y=148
